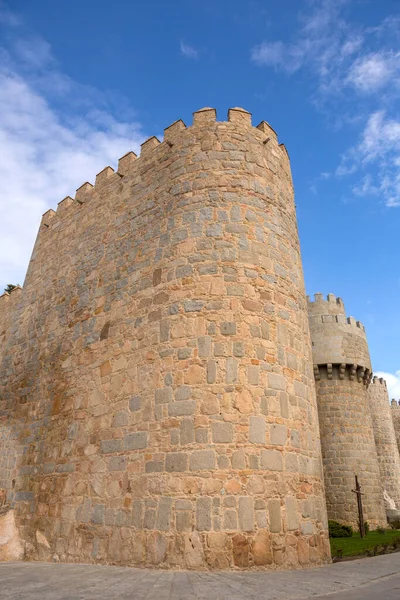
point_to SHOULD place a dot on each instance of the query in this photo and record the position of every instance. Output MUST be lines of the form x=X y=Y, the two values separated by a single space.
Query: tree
x=10 y=287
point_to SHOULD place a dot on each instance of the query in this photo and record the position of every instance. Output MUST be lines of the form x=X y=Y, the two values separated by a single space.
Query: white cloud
x=50 y=143
x=392 y=382
x=372 y=72
x=189 y=51
x=378 y=150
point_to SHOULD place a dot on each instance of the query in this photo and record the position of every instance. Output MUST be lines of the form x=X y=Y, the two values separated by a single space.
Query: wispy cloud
x=189 y=51
x=373 y=72
x=54 y=135
x=378 y=153
x=392 y=382
x=354 y=78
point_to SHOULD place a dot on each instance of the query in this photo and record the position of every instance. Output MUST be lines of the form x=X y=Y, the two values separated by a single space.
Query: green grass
x=354 y=545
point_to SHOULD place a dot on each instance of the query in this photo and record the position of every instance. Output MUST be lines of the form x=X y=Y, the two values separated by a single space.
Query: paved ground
x=366 y=579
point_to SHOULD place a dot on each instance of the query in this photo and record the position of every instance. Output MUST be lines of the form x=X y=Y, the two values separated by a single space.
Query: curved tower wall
x=161 y=368
x=385 y=441
x=342 y=370
x=395 y=407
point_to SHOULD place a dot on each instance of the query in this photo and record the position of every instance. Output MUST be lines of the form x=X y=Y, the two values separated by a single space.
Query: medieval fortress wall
x=159 y=405
x=342 y=374
x=396 y=420
x=158 y=378
x=385 y=439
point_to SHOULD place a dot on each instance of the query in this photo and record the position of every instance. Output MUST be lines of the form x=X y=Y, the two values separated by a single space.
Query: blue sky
x=83 y=82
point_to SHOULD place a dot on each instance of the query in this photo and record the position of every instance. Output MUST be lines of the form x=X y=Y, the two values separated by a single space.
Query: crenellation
x=103 y=177
x=174 y=129
x=204 y=116
x=84 y=192
x=268 y=130
x=126 y=163
x=64 y=204
x=148 y=145
x=239 y=116
x=47 y=217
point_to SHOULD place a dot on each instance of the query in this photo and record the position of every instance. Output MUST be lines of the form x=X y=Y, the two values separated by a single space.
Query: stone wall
x=348 y=446
x=335 y=337
x=396 y=420
x=385 y=440
x=342 y=370
x=158 y=404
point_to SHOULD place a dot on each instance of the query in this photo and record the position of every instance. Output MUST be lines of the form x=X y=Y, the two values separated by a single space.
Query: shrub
x=395 y=524
x=380 y=530
x=366 y=527
x=336 y=530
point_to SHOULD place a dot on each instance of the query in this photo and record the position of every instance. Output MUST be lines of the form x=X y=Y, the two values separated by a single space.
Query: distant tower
x=342 y=369
x=396 y=420
x=386 y=445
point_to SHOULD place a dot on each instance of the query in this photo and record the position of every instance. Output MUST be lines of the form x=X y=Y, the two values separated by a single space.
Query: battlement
x=130 y=162
x=335 y=337
x=379 y=381
x=395 y=405
x=341 y=319
x=10 y=297
x=331 y=305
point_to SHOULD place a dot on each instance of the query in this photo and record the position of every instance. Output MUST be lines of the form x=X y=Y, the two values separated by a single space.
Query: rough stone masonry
x=157 y=394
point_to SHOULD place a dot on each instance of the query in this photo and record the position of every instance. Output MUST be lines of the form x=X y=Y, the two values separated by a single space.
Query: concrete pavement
x=365 y=579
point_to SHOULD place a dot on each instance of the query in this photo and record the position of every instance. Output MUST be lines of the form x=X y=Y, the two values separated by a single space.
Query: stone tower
x=396 y=420
x=386 y=445
x=158 y=403
x=342 y=373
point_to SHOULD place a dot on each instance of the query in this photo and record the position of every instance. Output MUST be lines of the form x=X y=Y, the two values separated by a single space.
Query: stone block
x=230 y=519
x=135 y=441
x=275 y=517
x=154 y=466
x=182 y=408
x=183 y=392
x=163 y=395
x=238 y=459
x=163 y=514
x=246 y=513
x=292 y=514
x=187 y=435
x=211 y=371
x=108 y=446
x=203 y=514
x=204 y=346
x=222 y=433
x=257 y=430
x=231 y=370
x=276 y=382
x=176 y=462
x=117 y=463
x=135 y=403
x=271 y=460
x=228 y=328
x=202 y=460
x=278 y=434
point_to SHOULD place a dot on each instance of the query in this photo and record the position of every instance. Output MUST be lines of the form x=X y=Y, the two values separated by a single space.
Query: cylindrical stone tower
x=395 y=406
x=342 y=370
x=175 y=384
x=386 y=445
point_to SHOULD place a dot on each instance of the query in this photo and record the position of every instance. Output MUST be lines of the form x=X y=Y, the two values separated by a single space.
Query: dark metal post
x=358 y=493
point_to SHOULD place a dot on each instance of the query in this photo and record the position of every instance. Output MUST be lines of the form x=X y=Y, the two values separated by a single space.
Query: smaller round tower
x=396 y=420
x=386 y=446
x=342 y=370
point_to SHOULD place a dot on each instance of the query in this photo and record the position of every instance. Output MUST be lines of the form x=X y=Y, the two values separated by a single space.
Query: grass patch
x=355 y=545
